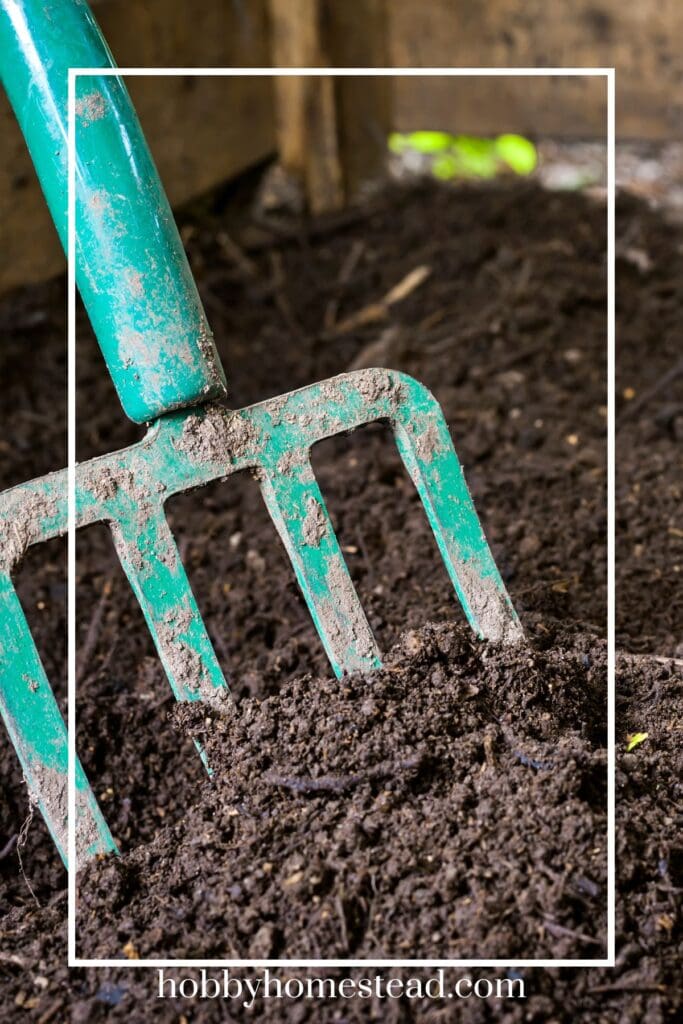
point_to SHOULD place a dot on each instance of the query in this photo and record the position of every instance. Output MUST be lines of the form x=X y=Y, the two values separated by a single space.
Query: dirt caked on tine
x=192 y=440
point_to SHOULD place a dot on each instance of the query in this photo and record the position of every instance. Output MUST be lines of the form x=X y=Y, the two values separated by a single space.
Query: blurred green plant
x=468 y=156
x=635 y=740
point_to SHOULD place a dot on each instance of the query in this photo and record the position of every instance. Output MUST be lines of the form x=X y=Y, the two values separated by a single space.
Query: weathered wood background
x=201 y=130
x=642 y=39
x=331 y=134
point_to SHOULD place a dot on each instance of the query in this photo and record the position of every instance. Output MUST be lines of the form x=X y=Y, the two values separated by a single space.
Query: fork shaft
x=131 y=268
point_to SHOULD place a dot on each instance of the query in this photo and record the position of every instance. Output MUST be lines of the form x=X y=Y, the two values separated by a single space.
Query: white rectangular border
x=609 y=75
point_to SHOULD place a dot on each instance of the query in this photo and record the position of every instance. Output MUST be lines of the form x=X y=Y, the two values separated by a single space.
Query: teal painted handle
x=131 y=268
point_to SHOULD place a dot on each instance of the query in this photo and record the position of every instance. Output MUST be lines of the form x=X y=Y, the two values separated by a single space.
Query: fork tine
x=298 y=511
x=148 y=553
x=36 y=728
x=424 y=443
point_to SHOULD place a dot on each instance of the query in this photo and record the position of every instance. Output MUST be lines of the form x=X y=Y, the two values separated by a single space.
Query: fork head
x=184 y=450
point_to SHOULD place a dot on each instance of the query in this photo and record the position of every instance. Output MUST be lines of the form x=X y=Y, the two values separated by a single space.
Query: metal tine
x=129 y=496
x=149 y=556
x=298 y=511
x=424 y=443
x=36 y=728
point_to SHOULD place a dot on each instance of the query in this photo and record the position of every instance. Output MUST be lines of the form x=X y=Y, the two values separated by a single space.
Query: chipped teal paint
x=184 y=450
x=131 y=267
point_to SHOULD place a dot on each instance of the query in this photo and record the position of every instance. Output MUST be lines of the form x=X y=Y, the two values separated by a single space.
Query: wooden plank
x=295 y=42
x=357 y=35
x=331 y=132
x=306 y=109
x=643 y=41
x=201 y=130
x=559 y=107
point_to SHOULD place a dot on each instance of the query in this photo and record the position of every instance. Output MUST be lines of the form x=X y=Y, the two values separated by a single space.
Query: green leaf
x=397 y=142
x=637 y=738
x=477 y=156
x=445 y=166
x=517 y=152
x=430 y=142
x=421 y=142
x=468 y=156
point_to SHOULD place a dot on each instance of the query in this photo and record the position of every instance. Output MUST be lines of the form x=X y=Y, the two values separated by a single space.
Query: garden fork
x=133 y=276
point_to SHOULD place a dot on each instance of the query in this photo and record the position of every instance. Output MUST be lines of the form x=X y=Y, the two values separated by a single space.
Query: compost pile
x=391 y=815
x=453 y=804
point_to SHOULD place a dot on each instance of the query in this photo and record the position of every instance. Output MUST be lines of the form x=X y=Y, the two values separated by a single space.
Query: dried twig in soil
x=21 y=841
x=347 y=268
x=646 y=396
x=9 y=846
x=559 y=929
x=236 y=255
x=93 y=632
x=341 y=783
x=377 y=311
x=280 y=294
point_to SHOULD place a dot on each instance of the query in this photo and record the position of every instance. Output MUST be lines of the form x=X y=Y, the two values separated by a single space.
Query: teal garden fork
x=136 y=284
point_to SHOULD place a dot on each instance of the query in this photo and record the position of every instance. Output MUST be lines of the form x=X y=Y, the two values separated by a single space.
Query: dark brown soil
x=650 y=436
x=502 y=787
x=454 y=801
